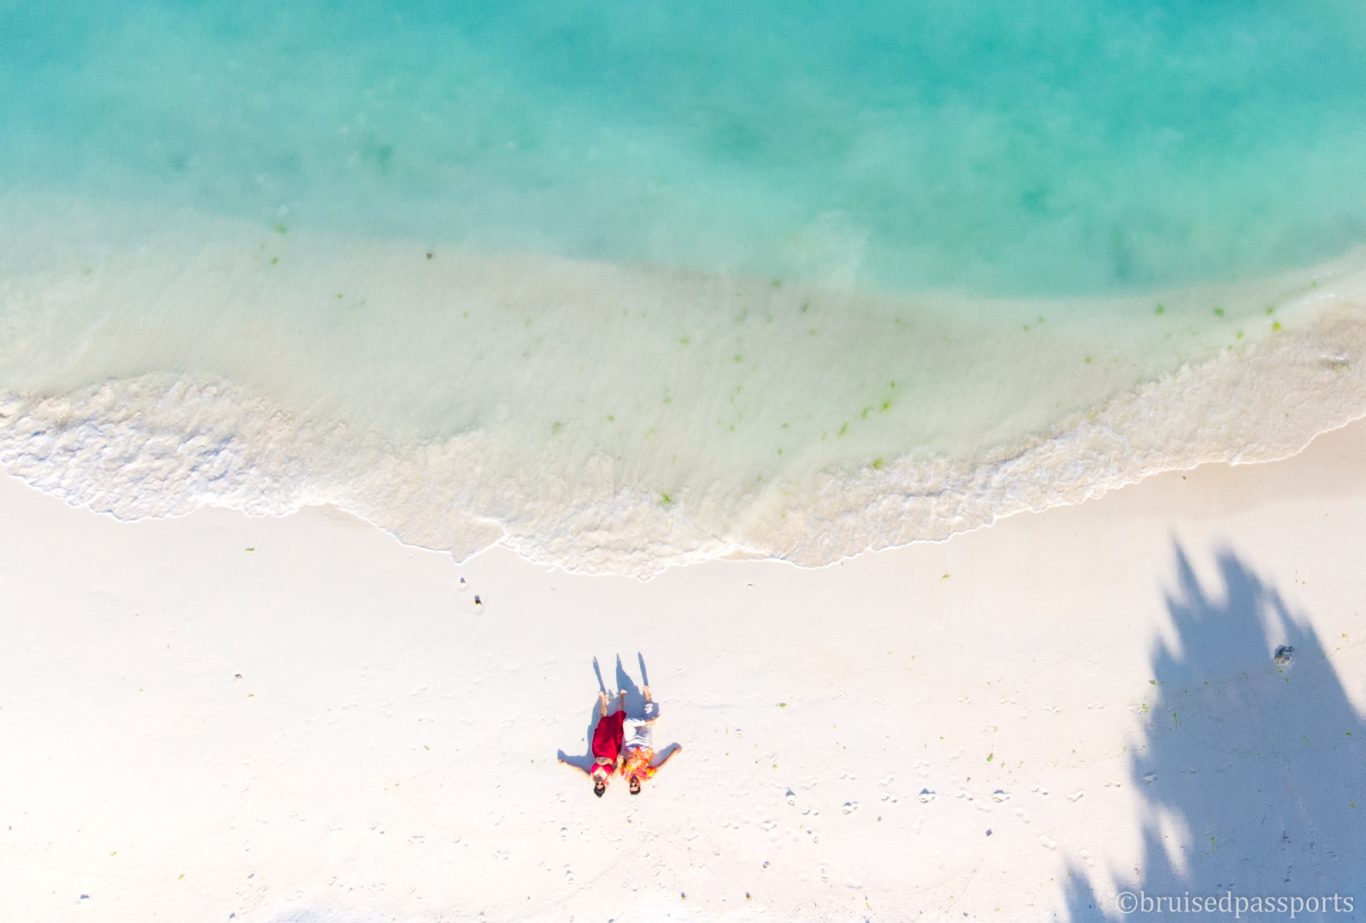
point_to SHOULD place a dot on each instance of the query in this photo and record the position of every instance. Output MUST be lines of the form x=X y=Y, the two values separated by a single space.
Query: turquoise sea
x=625 y=285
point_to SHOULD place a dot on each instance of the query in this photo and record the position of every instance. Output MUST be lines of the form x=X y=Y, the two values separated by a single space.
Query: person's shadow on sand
x=585 y=761
x=635 y=707
x=635 y=696
x=1253 y=752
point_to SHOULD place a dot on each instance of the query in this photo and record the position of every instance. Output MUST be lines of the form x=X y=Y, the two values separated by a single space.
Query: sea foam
x=616 y=418
x=625 y=287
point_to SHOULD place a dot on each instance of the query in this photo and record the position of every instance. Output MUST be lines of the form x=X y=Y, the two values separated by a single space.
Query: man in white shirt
x=639 y=751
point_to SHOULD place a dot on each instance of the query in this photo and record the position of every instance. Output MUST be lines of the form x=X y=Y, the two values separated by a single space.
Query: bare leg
x=621 y=702
x=602 y=704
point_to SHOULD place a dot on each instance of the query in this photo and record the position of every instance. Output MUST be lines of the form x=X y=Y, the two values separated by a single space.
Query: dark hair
x=599 y=787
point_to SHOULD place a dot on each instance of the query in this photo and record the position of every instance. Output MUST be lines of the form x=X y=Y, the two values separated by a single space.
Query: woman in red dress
x=607 y=740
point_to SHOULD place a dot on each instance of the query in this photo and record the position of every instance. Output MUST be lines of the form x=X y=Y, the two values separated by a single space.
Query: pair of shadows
x=635 y=707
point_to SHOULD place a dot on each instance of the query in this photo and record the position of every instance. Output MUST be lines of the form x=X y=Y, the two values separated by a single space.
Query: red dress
x=608 y=736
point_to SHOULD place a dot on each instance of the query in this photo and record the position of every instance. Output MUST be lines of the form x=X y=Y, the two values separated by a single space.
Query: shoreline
x=83 y=448
x=389 y=752
x=699 y=439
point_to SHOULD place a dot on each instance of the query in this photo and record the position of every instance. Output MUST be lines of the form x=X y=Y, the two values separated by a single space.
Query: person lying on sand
x=639 y=754
x=607 y=738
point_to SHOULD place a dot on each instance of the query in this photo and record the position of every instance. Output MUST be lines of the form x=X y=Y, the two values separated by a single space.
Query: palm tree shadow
x=1252 y=761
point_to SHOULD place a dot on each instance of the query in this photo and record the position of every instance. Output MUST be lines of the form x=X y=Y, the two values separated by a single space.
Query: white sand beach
x=299 y=719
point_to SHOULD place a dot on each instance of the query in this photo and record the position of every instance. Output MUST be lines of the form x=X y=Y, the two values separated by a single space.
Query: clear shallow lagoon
x=637 y=284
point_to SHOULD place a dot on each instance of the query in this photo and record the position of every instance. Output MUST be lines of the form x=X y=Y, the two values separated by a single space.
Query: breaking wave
x=577 y=496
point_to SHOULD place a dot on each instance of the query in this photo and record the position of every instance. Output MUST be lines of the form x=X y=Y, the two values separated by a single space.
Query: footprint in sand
x=926 y=796
x=1000 y=795
x=791 y=797
x=1076 y=796
x=1150 y=778
x=849 y=807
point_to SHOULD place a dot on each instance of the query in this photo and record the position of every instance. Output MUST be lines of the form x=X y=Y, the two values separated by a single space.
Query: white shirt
x=639 y=733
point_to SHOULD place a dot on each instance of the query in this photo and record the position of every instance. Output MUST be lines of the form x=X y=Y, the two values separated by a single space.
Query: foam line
x=626 y=419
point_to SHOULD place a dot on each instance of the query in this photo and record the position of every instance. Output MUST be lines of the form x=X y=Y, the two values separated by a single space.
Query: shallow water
x=627 y=286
